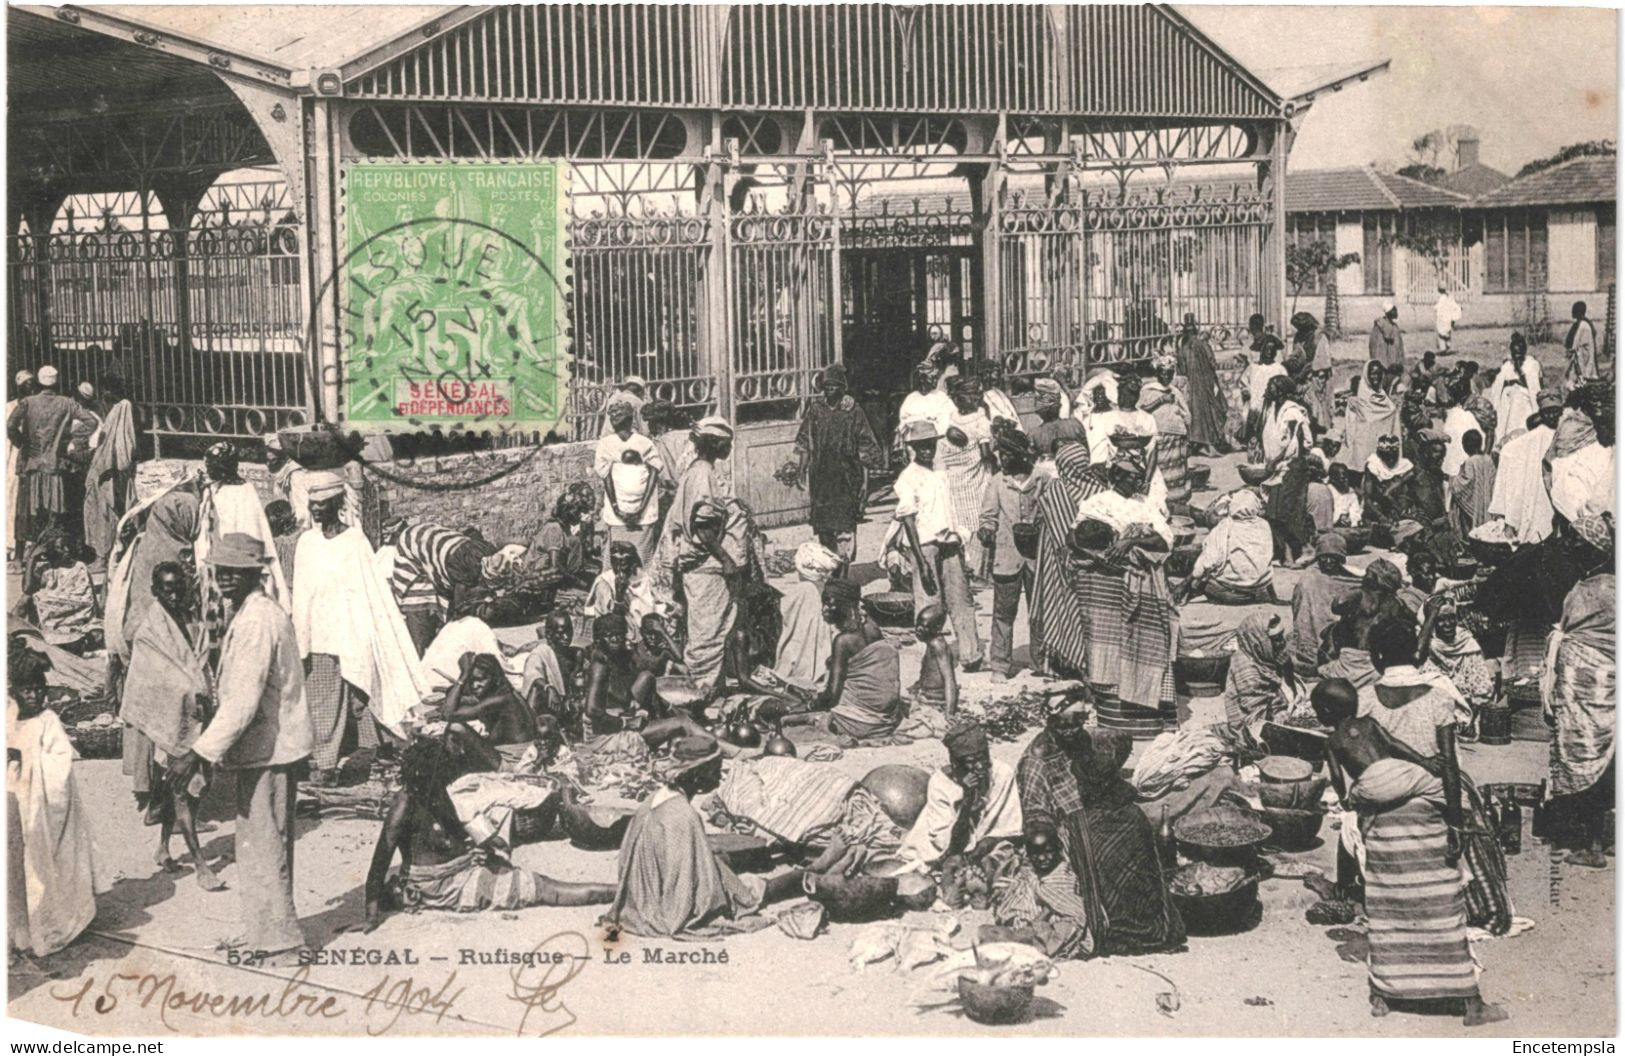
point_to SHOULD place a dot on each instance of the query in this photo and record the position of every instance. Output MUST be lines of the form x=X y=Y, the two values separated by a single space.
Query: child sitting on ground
x=57 y=591
x=938 y=683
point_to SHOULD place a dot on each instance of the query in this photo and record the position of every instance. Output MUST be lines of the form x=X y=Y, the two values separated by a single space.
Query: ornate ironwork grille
x=637 y=307
x=1089 y=279
x=205 y=325
x=782 y=293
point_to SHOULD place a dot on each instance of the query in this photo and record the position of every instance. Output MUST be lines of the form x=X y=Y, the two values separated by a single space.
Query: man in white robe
x=351 y=634
x=1520 y=495
x=56 y=875
x=1513 y=392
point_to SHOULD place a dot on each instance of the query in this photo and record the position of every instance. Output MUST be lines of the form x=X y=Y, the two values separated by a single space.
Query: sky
x=1531 y=79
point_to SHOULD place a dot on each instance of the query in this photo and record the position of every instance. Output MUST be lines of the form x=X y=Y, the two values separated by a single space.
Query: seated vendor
x=1039 y=904
x=441 y=868
x=1234 y=565
x=615 y=686
x=57 y=589
x=670 y=881
x=623 y=587
x=971 y=805
x=656 y=651
x=483 y=694
x=751 y=644
x=864 y=691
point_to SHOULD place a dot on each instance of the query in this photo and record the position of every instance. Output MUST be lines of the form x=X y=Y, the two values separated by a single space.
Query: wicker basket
x=1026 y=537
x=892 y=608
x=91 y=742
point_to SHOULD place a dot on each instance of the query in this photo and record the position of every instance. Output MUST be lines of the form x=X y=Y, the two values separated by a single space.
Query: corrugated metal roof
x=1474 y=180
x=1577 y=181
x=295 y=36
x=1362 y=190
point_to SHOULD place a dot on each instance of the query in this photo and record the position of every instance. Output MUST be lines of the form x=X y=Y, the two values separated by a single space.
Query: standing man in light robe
x=110 y=479
x=353 y=640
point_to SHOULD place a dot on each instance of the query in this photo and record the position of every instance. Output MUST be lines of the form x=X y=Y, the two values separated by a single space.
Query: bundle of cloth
x=796 y=801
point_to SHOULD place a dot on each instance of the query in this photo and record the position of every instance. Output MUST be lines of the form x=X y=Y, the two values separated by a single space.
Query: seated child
x=58 y=591
x=938 y=683
x=483 y=694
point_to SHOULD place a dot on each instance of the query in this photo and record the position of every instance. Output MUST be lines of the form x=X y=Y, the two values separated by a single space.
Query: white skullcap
x=47 y=376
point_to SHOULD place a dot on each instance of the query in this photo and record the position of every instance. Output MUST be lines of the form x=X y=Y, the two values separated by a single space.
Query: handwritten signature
x=535 y=986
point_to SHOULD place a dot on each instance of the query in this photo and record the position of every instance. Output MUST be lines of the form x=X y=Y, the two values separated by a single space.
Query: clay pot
x=900 y=789
x=779 y=744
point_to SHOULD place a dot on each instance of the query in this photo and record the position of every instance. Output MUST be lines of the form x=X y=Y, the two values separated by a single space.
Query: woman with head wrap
x=965 y=456
x=995 y=400
x=1071 y=785
x=1234 y=565
x=1286 y=437
x=1583 y=482
x=628 y=465
x=1170 y=412
x=715 y=560
x=1578 y=685
x=1450 y=648
x=835 y=451
x=1056 y=426
x=1371 y=413
x=804 y=642
x=1055 y=602
x=1256 y=377
x=170 y=530
x=1128 y=614
x=1260 y=673
x=1310 y=367
x=712 y=440
x=1383 y=478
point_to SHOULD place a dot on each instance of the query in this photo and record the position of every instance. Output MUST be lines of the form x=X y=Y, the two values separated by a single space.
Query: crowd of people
x=274 y=644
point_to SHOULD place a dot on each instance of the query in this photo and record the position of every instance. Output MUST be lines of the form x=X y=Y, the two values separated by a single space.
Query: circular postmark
x=434 y=323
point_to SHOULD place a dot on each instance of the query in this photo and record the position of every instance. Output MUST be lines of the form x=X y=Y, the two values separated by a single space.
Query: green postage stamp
x=451 y=294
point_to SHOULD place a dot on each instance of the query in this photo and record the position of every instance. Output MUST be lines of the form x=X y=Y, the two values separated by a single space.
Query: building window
x=1514 y=251
x=1377 y=253
x=1605 y=246
x=1304 y=230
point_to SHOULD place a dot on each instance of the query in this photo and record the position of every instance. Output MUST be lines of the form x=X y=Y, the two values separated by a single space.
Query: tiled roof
x=1362 y=189
x=1474 y=180
x=1575 y=182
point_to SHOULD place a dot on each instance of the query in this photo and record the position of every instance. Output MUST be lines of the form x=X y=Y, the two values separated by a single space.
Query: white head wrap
x=816 y=562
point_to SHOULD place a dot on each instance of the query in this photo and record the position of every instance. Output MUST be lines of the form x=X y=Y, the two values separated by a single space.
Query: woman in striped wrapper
x=1055 y=605
x=1173 y=416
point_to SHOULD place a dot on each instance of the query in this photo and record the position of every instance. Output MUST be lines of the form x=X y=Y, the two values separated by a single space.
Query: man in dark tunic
x=39 y=427
x=1201 y=372
x=834 y=449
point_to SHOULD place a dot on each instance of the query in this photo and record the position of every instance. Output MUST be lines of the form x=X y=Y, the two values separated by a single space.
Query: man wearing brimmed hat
x=351 y=634
x=835 y=451
x=1520 y=495
x=923 y=526
x=39 y=427
x=970 y=804
x=260 y=732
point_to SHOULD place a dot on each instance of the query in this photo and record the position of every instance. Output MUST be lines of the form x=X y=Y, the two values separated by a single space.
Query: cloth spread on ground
x=1175 y=759
x=785 y=798
x=65 y=603
x=485 y=802
x=928 y=840
x=871 y=703
x=57 y=861
x=671 y=882
x=341 y=608
x=1415 y=906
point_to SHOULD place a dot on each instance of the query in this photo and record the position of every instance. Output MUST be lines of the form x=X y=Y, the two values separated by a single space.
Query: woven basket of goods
x=95 y=731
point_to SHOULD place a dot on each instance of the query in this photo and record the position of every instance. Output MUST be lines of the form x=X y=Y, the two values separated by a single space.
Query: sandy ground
x=151 y=955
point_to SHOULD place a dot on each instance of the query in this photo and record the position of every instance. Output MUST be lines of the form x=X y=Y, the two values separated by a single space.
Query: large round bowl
x=994 y=1005
x=891 y=608
x=1253 y=475
x=1220 y=834
x=1225 y=914
x=678 y=691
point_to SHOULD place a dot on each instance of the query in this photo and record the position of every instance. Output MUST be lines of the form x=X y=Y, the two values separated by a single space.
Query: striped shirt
x=428 y=563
